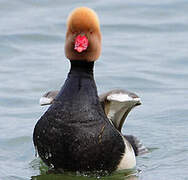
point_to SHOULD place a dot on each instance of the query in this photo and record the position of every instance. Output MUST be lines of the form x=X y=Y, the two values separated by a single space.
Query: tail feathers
x=139 y=148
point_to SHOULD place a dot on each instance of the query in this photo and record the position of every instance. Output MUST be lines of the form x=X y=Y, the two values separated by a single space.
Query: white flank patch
x=121 y=97
x=128 y=160
x=45 y=101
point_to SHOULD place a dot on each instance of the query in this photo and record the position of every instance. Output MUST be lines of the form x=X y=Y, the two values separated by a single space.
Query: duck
x=81 y=131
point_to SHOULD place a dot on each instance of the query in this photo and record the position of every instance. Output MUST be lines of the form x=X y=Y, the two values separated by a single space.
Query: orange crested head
x=83 y=37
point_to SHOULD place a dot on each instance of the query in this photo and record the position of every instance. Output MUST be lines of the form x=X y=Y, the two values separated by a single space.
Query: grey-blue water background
x=145 y=50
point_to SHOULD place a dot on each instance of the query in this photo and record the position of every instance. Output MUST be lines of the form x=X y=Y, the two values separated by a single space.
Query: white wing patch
x=45 y=101
x=121 y=97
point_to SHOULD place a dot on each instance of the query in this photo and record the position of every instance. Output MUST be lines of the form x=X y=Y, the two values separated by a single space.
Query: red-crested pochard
x=81 y=131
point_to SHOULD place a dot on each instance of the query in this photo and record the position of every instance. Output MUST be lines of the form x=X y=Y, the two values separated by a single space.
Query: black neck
x=80 y=80
x=81 y=67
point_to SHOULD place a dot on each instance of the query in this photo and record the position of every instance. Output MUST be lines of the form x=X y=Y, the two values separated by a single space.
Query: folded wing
x=117 y=104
